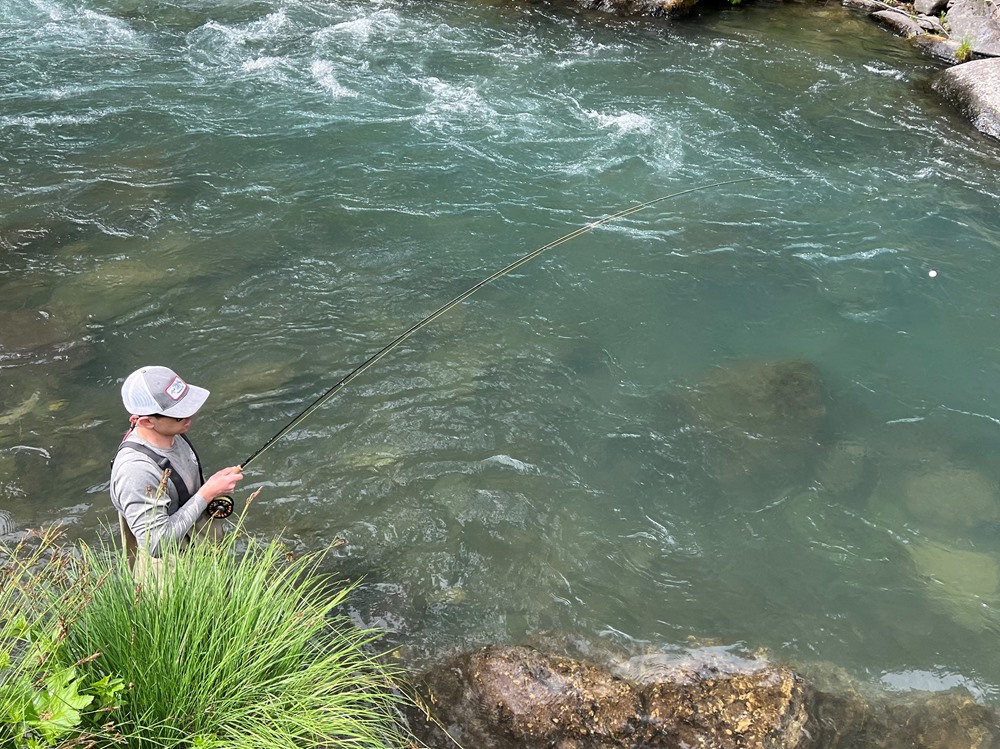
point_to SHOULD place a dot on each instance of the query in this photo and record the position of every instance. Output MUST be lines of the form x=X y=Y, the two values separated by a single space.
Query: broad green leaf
x=56 y=710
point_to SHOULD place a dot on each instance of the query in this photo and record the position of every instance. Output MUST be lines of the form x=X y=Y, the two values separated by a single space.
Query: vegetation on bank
x=232 y=648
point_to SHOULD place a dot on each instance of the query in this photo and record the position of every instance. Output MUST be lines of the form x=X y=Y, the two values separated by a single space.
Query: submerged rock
x=655 y=8
x=964 y=584
x=944 y=720
x=844 y=467
x=770 y=397
x=953 y=498
x=759 y=419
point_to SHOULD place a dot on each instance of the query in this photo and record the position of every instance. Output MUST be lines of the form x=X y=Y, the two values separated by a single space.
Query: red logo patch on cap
x=176 y=389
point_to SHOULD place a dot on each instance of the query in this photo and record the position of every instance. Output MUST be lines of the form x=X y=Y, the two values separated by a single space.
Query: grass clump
x=224 y=649
x=964 y=51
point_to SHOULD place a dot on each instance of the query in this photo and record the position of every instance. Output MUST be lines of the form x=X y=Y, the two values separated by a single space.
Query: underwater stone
x=777 y=398
x=952 y=497
x=843 y=467
x=759 y=420
x=952 y=720
x=960 y=580
x=35 y=328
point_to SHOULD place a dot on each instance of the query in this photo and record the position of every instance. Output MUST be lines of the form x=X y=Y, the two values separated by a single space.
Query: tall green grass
x=225 y=649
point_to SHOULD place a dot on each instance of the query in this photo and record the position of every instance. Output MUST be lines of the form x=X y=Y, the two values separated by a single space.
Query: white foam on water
x=506 y=460
x=324 y=74
x=266 y=62
x=623 y=122
x=33 y=123
x=453 y=102
x=885 y=71
x=382 y=23
x=215 y=46
x=108 y=28
x=825 y=258
x=626 y=136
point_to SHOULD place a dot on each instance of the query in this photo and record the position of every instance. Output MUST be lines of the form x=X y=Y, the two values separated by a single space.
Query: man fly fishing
x=157 y=508
x=157 y=484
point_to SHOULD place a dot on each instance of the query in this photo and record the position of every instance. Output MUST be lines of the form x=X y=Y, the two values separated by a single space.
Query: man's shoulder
x=132 y=455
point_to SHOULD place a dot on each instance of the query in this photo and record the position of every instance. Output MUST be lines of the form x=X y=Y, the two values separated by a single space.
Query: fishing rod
x=389 y=347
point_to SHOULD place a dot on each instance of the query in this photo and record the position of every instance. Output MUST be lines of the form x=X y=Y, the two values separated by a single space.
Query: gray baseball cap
x=160 y=390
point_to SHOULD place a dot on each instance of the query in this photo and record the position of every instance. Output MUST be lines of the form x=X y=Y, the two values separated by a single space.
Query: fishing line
x=385 y=350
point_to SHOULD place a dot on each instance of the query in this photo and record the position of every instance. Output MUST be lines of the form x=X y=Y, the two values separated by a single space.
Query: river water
x=263 y=193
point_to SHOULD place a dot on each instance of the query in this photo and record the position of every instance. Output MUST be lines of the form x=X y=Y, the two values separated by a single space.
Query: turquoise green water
x=262 y=194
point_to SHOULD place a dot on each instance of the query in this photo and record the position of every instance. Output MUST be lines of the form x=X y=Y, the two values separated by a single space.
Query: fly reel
x=221 y=507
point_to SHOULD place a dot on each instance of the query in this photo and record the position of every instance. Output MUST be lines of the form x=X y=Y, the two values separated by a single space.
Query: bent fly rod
x=388 y=348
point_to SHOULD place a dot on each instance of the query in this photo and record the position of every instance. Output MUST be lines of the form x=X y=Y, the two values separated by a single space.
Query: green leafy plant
x=44 y=701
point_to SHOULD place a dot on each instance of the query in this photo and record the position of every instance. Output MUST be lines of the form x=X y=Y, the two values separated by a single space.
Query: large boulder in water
x=974 y=87
x=507 y=697
x=514 y=697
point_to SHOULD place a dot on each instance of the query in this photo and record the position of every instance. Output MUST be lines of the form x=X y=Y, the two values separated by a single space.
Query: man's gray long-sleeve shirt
x=134 y=481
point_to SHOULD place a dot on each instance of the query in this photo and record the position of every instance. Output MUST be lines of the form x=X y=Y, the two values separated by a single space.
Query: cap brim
x=193 y=400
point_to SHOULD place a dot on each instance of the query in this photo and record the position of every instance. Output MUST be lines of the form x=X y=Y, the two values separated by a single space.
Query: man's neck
x=162 y=441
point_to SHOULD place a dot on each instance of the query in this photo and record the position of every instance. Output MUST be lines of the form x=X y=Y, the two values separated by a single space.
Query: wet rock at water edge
x=974 y=87
x=505 y=697
x=898 y=22
x=502 y=697
x=977 y=21
x=939 y=47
